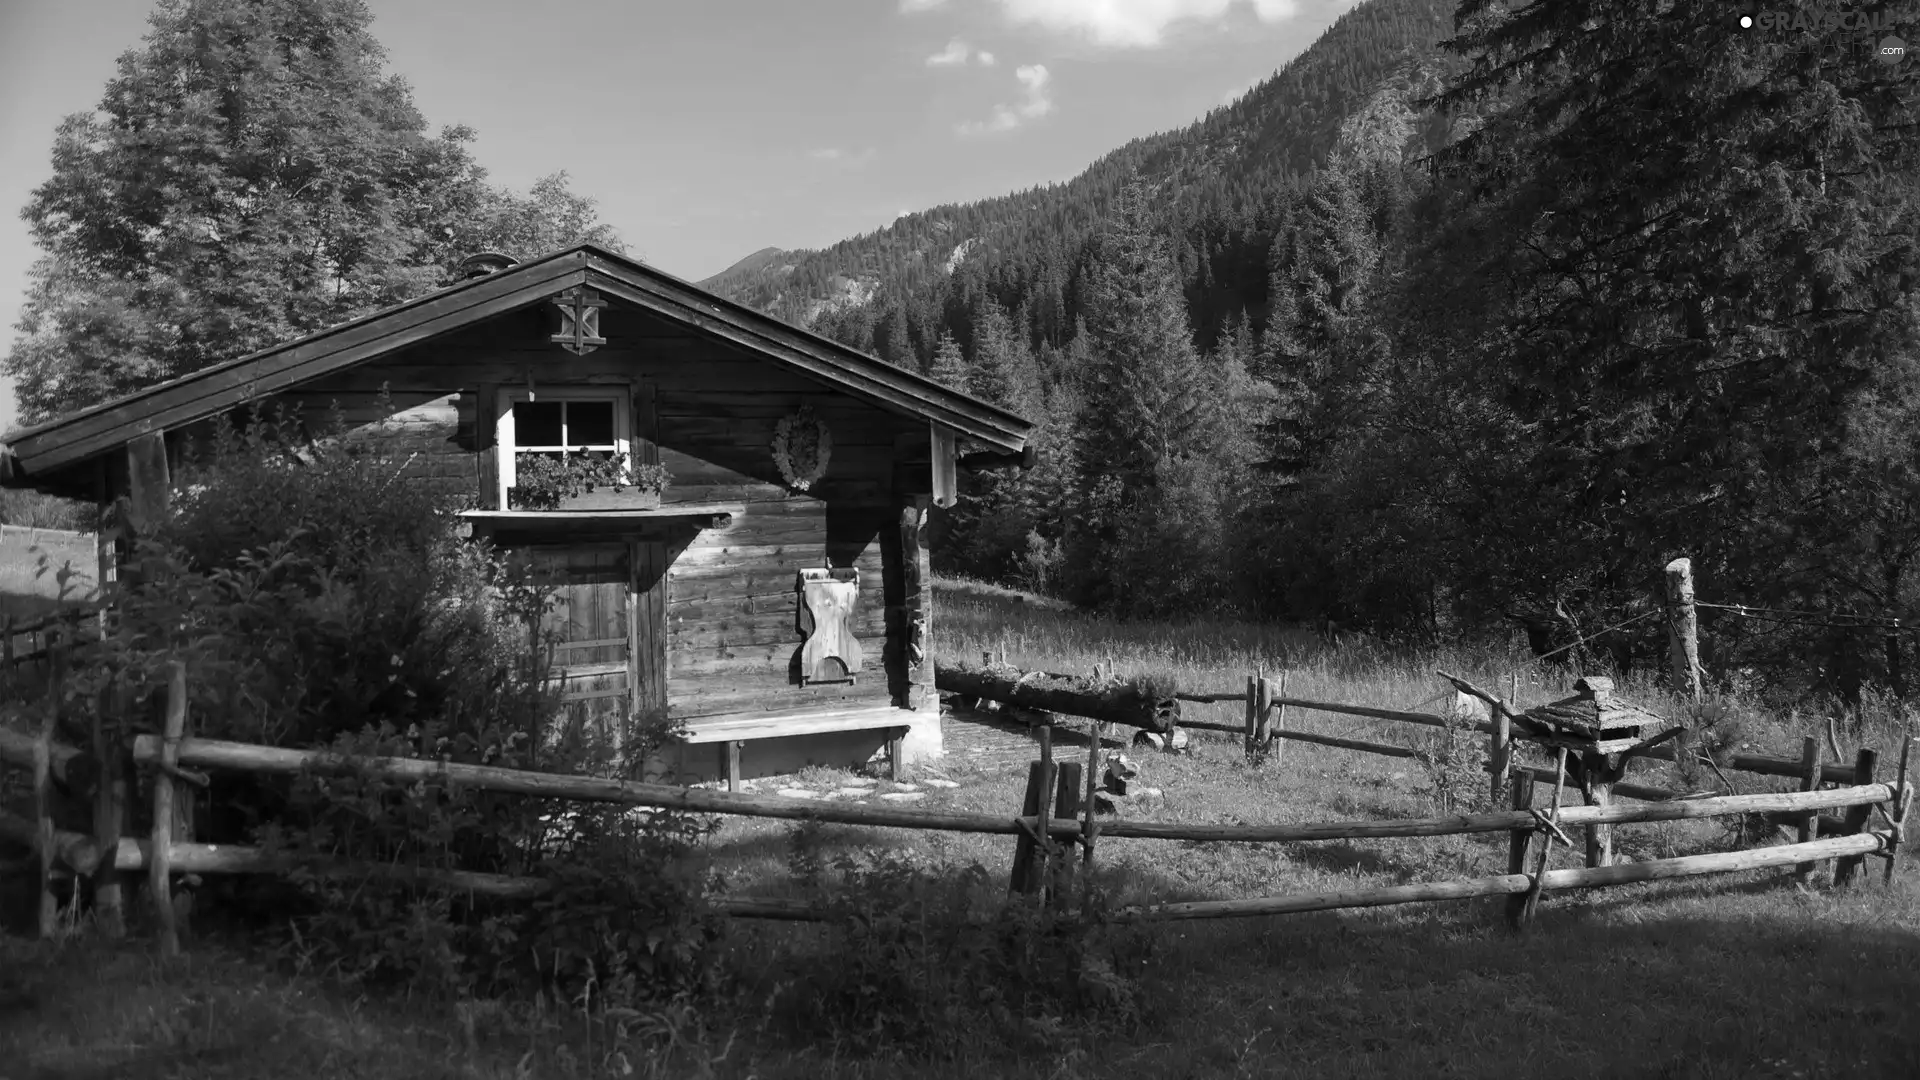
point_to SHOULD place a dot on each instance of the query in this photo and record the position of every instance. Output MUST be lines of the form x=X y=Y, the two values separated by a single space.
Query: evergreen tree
x=1004 y=370
x=949 y=367
x=1146 y=537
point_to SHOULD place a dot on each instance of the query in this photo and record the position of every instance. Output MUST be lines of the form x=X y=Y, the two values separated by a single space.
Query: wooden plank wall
x=731 y=607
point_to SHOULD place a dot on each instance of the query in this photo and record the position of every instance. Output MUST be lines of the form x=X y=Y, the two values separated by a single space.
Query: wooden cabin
x=775 y=597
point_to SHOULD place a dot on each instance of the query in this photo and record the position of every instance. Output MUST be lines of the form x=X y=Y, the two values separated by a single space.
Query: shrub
x=1455 y=761
x=922 y=960
x=319 y=605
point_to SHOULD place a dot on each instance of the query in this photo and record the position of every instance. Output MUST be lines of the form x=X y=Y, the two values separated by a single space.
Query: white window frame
x=504 y=433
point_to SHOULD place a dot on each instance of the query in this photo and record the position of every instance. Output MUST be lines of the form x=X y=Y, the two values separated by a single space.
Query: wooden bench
x=736 y=731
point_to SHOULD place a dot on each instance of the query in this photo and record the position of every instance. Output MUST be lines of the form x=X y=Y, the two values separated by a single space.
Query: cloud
x=1035 y=79
x=956 y=52
x=910 y=7
x=849 y=158
x=1127 y=23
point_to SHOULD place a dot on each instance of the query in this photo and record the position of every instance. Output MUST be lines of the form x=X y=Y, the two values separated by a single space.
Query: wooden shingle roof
x=33 y=456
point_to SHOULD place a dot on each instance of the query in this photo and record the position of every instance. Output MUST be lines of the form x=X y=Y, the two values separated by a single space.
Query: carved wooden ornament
x=801 y=447
x=579 y=320
x=831 y=653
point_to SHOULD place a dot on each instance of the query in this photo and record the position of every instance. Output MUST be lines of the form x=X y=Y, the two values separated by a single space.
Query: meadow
x=1733 y=976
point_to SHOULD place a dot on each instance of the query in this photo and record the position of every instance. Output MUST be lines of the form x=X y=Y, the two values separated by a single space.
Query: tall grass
x=1737 y=976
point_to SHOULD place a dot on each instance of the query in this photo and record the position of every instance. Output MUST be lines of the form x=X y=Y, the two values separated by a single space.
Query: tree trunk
x=1129 y=703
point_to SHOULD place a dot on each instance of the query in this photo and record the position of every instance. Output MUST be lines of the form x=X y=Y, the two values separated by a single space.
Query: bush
x=318 y=603
x=921 y=959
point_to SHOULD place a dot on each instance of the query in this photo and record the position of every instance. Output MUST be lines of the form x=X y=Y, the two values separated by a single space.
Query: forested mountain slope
x=1219 y=182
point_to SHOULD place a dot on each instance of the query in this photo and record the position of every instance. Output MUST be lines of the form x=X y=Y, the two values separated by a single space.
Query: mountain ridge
x=1226 y=166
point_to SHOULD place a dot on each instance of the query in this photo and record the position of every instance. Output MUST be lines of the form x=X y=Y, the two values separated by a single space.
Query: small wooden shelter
x=778 y=589
x=1593 y=721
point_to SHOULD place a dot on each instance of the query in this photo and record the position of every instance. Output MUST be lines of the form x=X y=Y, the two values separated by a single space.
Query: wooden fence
x=1056 y=813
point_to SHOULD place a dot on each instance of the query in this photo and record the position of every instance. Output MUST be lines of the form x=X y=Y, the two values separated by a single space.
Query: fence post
x=1263 y=722
x=1065 y=802
x=1279 y=720
x=1250 y=717
x=1030 y=851
x=109 y=806
x=43 y=823
x=1683 y=628
x=1098 y=732
x=1857 y=818
x=1518 y=843
x=160 y=859
x=1809 y=780
x=1500 y=749
x=1902 y=799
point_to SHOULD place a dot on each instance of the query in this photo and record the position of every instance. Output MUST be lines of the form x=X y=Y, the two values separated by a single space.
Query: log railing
x=174 y=757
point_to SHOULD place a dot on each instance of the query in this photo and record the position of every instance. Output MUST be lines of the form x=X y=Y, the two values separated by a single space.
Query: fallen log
x=1133 y=702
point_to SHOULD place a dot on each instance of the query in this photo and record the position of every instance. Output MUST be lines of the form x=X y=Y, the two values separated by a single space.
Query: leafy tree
x=549 y=217
x=252 y=174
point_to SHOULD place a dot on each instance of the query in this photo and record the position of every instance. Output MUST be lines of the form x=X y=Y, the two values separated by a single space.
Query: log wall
x=708 y=412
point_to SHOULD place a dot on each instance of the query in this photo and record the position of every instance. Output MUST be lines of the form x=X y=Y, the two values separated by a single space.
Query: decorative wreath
x=801 y=447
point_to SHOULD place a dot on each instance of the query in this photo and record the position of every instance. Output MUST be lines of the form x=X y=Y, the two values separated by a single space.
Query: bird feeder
x=1594 y=721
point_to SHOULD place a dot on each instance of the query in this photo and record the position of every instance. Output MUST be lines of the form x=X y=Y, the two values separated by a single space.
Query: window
x=556 y=423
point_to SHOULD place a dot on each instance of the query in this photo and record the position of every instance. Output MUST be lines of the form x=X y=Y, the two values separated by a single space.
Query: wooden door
x=591 y=624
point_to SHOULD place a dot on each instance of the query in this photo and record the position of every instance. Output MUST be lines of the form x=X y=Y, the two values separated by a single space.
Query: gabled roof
x=31 y=455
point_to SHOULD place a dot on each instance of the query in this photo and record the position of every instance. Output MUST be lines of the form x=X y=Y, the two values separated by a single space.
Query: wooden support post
x=1518 y=844
x=1500 y=750
x=734 y=746
x=1596 y=788
x=1683 y=628
x=917 y=591
x=160 y=861
x=945 y=477
x=1857 y=819
x=1810 y=762
x=894 y=740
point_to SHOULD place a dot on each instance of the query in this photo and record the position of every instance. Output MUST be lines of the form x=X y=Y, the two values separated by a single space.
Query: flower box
x=604 y=499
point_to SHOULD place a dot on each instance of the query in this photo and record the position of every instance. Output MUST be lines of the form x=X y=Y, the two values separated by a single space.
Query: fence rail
x=1051 y=815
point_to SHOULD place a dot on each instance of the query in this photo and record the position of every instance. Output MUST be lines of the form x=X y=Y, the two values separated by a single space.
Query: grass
x=1735 y=976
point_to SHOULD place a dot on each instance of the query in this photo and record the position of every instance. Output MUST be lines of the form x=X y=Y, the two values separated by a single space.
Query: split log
x=210 y=753
x=1510 y=884
x=1135 y=703
x=82 y=856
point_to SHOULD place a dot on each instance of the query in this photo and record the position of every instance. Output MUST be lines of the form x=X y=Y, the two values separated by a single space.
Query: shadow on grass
x=1749 y=980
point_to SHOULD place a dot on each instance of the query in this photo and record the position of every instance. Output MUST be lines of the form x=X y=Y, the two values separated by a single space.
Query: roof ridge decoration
x=579 y=320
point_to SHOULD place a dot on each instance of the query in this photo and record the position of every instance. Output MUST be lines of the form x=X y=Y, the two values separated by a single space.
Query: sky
x=709 y=129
